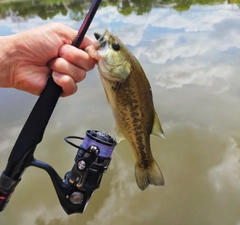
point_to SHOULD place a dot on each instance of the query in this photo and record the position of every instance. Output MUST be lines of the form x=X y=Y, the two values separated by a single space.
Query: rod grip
x=33 y=130
x=7 y=186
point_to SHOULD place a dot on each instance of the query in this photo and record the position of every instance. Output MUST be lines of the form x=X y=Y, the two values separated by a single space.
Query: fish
x=130 y=96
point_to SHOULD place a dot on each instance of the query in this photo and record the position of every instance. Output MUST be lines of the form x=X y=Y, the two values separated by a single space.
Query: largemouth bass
x=130 y=97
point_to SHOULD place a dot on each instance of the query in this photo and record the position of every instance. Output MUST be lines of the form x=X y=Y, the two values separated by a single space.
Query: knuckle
x=80 y=76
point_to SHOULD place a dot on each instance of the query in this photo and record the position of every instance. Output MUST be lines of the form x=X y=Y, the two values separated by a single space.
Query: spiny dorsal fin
x=157 y=128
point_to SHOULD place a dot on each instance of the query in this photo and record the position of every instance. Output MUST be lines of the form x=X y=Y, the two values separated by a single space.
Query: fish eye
x=116 y=46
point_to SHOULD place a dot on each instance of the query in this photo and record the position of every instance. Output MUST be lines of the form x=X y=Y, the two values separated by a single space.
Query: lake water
x=190 y=52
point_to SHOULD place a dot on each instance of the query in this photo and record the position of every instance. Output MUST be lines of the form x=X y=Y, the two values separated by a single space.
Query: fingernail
x=56 y=75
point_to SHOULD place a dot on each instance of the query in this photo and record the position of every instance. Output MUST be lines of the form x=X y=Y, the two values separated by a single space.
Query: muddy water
x=191 y=57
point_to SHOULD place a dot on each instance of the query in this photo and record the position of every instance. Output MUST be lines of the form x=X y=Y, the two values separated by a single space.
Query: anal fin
x=157 y=128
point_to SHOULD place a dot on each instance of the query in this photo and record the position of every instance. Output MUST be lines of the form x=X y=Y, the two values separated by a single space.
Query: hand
x=27 y=58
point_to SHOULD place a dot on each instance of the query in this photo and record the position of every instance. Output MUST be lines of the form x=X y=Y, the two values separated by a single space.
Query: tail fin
x=151 y=175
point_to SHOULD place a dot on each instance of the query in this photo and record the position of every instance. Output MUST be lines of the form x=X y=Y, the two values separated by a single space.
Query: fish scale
x=134 y=118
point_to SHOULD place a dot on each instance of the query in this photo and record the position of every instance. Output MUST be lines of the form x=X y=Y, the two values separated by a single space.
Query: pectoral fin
x=157 y=128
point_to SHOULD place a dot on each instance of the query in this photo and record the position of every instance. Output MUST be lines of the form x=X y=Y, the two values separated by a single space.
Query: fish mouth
x=97 y=35
x=101 y=40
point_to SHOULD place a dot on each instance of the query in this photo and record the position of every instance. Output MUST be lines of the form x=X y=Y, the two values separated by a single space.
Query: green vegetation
x=183 y=5
x=44 y=8
x=77 y=8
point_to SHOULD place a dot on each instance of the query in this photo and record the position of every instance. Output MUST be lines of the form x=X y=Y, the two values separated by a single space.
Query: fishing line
x=139 y=33
x=138 y=40
x=144 y=25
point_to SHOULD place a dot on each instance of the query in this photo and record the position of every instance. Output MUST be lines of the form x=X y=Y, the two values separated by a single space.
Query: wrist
x=6 y=60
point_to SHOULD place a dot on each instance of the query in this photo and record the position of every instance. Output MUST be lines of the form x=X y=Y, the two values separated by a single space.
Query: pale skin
x=27 y=59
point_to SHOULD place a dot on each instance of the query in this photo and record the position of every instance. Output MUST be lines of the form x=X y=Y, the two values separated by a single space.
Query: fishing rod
x=91 y=161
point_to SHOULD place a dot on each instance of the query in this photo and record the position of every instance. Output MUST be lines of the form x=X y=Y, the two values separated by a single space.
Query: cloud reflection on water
x=227 y=173
x=185 y=46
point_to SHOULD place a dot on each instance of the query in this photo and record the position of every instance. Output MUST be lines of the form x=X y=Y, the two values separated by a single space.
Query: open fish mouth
x=97 y=35
x=101 y=41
